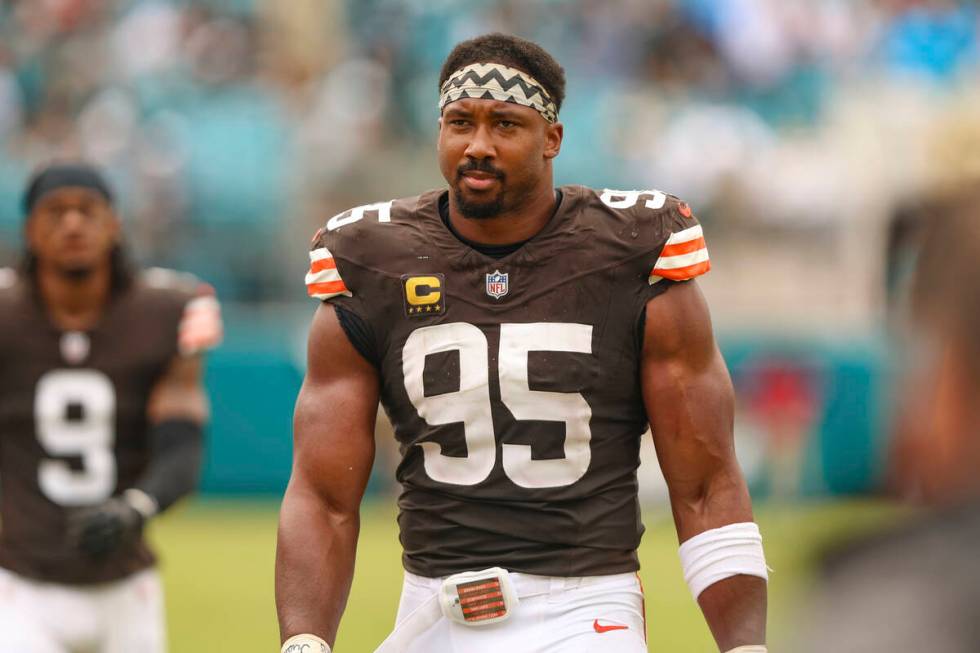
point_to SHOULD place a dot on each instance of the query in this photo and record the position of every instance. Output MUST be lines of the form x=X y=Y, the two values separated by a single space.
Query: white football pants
x=591 y=614
x=124 y=616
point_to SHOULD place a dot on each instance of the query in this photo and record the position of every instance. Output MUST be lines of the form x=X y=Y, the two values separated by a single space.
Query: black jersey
x=73 y=424
x=512 y=383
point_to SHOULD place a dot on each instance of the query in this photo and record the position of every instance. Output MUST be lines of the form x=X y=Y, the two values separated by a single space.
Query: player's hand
x=99 y=530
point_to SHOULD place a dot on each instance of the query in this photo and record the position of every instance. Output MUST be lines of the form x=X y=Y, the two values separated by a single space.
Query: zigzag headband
x=494 y=81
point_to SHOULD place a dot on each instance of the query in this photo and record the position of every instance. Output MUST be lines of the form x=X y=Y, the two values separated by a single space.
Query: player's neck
x=75 y=303
x=510 y=226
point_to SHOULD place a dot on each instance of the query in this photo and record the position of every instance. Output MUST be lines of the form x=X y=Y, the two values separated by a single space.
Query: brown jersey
x=512 y=383
x=73 y=424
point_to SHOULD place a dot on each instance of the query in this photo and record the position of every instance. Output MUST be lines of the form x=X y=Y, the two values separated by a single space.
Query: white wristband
x=721 y=553
x=305 y=643
x=758 y=648
x=141 y=502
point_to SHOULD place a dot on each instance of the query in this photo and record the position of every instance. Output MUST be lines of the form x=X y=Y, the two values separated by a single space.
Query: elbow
x=307 y=502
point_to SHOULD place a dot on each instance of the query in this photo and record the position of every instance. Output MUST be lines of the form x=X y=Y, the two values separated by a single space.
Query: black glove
x=100 y=530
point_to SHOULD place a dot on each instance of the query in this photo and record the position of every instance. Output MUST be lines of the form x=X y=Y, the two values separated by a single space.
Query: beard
x=76 y=273
x=479 y=209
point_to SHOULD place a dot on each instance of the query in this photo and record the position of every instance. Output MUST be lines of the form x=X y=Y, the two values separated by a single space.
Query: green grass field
x=217 y=564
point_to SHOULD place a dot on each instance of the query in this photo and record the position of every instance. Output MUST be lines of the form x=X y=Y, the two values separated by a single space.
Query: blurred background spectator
x=916 y=586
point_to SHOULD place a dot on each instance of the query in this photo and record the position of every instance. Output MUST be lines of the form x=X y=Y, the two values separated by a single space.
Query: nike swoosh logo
x=599 y=628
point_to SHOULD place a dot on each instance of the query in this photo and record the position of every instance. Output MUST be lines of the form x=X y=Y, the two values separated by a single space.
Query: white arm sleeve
x=721 y=553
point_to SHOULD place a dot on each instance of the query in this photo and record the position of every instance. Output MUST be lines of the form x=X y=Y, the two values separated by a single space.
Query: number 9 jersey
x=512 y=383
x=73 y=423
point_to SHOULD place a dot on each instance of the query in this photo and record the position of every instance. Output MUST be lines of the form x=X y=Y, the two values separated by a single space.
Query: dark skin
x=516 y=142
x=71 y=232
x=682 y=373
x=332 y=458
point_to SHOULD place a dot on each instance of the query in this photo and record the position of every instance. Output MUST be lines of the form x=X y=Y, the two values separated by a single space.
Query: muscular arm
x=333 y=452
x=689 y=400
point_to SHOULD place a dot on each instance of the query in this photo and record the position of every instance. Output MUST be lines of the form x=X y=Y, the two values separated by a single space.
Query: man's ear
x=552 y=140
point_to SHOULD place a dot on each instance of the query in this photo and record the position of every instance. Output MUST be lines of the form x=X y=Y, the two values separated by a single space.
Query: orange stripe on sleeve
x=326 y=288
x=683 y=274
x=684 y=248
x=323 y=264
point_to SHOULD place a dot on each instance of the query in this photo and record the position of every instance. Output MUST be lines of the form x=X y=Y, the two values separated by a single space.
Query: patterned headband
x=494 y=81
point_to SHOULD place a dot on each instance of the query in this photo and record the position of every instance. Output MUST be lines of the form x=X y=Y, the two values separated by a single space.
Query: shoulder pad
x=624 y=200
x=352 y=234
x=684 y=254
x=665 y=225
x=201 y=327
x=379 y=211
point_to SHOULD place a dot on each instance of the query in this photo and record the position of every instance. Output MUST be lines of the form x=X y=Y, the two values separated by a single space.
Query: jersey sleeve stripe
x=322 y=264
x=686 y=235
x=684 y=256
x=327 y=289
x=323 y=279
x=681 y=274
x=681 y=261
x=320 y=253
x=683 y=248
x=323 y=276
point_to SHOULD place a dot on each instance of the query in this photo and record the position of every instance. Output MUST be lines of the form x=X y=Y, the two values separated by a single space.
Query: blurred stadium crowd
x=227 y=123
x=807 y=134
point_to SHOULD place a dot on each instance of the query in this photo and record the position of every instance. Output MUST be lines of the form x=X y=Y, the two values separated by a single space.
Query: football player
x=101 y=416
x=520 y=337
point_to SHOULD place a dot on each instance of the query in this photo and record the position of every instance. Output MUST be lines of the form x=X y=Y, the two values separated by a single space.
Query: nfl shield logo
x=497 y=284
x=75 y=347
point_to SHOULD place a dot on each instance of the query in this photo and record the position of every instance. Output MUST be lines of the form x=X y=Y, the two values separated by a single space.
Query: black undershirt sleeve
x=359 y=333
x=176 y=452
x=661 y=287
